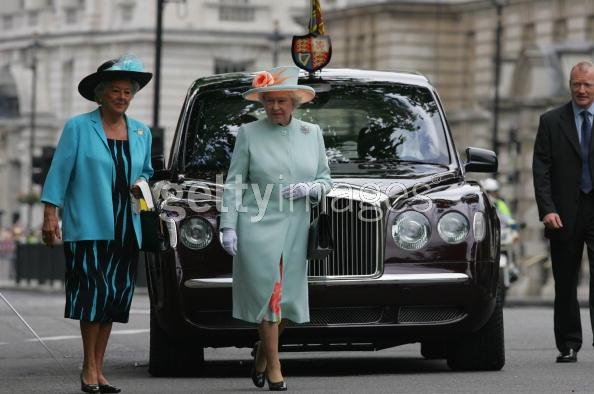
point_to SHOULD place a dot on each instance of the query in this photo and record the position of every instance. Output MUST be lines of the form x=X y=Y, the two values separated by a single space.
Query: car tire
x=169 y=357
x=483 y=350
x=434 y=350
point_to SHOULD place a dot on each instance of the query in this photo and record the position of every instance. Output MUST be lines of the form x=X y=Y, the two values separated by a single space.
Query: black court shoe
x=257 y=377
x=88 y=388
x=277 y=386
x=108 y=388
x=570 y=356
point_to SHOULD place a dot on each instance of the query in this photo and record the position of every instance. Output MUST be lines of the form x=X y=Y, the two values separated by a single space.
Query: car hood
x=384 y=189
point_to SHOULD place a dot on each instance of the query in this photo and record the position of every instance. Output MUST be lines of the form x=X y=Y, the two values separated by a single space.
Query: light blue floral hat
x=126 y=67
x=279 y=79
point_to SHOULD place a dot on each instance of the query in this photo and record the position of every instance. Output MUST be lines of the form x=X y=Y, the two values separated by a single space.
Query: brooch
x=140 y=131
x=305 y=129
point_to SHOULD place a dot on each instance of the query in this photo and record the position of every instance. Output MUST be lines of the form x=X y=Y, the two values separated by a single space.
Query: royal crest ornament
x=312 y=51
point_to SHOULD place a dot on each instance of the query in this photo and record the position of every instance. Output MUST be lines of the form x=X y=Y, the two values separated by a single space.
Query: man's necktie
x=586 y=134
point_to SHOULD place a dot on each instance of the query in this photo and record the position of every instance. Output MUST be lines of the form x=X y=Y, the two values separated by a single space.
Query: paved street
x=26 y=367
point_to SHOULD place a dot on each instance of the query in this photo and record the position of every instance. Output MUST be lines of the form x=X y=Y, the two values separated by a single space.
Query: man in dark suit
x=562 y=167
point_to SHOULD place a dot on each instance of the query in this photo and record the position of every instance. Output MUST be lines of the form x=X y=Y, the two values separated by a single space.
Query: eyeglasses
x=578 y=85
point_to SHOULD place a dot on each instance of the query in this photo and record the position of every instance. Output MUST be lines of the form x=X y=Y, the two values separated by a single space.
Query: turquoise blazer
x=82 y=173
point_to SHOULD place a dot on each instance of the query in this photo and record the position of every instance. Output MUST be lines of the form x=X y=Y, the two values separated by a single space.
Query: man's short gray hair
x=102 y=86
x=295 y=98
x=582 y=66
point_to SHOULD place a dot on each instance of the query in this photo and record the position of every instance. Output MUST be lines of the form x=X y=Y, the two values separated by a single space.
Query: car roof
x=334 y=74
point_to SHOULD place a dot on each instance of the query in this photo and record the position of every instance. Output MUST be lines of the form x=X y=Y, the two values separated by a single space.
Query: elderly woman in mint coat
x=99 y=157
x=281 y=163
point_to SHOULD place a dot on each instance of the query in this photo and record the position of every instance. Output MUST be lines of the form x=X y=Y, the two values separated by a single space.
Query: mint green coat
x=266 y=158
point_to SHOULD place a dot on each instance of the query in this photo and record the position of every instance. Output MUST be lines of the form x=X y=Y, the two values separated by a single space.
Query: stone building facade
x=200 y=38
x=453 y=43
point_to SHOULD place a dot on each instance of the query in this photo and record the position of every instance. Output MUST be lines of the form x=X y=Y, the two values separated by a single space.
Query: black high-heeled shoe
x=88 y=388
x=257 y=377
x=276 y=386
x=108 y=388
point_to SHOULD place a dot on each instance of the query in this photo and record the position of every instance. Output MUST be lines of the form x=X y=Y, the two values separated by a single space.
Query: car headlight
x=453 y=227
x=411 y=230
x=196 y=233
x=479 y=227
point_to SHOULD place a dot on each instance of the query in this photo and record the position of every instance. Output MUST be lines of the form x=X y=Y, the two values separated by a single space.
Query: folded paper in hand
x=145 y=203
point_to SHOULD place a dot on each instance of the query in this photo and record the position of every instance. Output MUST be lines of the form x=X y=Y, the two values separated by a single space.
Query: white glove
x=299 y=190
x=230 y=241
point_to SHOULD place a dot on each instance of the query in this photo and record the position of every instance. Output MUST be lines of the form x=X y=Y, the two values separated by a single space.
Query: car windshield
x=367 y=127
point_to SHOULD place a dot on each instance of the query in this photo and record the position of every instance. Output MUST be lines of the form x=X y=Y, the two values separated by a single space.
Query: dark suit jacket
x=557 y=168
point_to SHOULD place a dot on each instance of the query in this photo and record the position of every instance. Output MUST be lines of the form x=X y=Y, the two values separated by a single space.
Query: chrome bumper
x=389 y=279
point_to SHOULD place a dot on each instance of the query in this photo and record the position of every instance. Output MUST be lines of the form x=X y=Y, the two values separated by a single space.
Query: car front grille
x=357 y=230
x=429 y=315
x=320 y=317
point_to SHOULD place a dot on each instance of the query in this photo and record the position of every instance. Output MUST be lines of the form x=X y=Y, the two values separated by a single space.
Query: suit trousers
x=566 y=257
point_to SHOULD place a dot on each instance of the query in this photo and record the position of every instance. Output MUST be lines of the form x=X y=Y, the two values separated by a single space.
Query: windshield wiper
x=382 y=162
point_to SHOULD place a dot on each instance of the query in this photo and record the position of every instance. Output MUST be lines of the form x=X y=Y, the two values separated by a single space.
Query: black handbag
x=320 y=243
x=152 y=236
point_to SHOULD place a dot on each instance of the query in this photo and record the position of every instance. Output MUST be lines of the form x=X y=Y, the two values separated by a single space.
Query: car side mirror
x=480 y=160
x=160 y=173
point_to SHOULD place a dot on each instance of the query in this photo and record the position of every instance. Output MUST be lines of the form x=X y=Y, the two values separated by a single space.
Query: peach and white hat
x=277 y=80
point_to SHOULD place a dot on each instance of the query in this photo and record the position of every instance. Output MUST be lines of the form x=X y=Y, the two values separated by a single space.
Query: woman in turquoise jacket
x=278 y=167
x=100 y=156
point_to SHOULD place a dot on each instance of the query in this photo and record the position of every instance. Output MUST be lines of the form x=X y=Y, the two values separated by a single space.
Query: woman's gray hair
x=295 y=99
x=102 y=86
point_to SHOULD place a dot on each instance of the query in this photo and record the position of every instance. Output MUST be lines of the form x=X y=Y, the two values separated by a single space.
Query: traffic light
x=41 y=164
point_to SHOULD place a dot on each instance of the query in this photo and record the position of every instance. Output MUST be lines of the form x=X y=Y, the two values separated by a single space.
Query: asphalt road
x=26 y=367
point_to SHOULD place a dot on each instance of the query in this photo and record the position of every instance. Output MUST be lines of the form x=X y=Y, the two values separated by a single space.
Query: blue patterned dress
x=100 y=274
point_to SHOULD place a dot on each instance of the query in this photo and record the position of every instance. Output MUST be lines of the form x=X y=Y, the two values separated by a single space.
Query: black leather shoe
x=108 y=388
x=567 y=357
x=257 y=377
x=277 y=386
x=88 y=388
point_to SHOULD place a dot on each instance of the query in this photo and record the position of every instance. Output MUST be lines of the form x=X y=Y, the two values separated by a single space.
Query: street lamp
x=499 y=4
x=32 y=53
x=275 y=37
x=157 y=132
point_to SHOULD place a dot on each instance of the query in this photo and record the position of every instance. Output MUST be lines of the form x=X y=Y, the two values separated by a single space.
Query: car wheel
x=483 y=350
x=434 y=350
x=170 y=357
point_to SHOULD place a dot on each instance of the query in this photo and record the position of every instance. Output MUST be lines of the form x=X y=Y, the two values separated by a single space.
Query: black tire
x=483 y=350
x=169 y=357
x=434 y=350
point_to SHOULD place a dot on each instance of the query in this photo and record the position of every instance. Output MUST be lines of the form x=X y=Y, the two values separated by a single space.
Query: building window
x=127 y=12
x=559 y=30
x=33 y=18
x=9 y=102
x=236 y=11
x=590 y=29
x=222 y=66
x=528 y=35
x=7 y=22
x=70 y=15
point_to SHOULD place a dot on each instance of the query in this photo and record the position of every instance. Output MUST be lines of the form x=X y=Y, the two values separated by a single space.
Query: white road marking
x=140 y=311
x=66 y=337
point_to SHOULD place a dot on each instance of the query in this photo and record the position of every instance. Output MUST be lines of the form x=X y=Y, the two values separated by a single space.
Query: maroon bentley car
x=416 y=245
